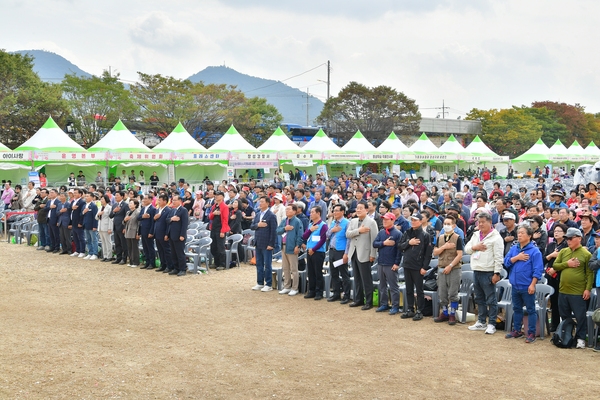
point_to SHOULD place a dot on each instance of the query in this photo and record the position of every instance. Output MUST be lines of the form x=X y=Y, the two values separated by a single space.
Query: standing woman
x=105 y=227
x=132 y=236
x=16 y=202
x=188 y=202
x=553 y=277
x=198 y=207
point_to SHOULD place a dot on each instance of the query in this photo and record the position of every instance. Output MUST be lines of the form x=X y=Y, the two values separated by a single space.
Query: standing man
x=487 y=254
x=338 y=246
x=315 y=237
x=417 y=248
x=389 y=256
x=146 y=218
x=160 y=233
x=265 y=227
x=90 y=226
x=76 y=221
x=42 y=219
x=362 y=232
x=118 y=213
x=219 y=227
x=525 y=266
x=64 y=223
x=291 y=231
x=576 y=280
x=449 y=250
x=53 y=205
x=178 y=223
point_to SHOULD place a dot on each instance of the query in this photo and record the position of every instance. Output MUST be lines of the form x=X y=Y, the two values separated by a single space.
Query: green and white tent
x=592 y=152
x=179 y=141
x=393 y=145
x=119 y=140
x=279 y=142
x=233 y=142
x=424 y=150
x=4 y=148
x=50 y=138
x=558 y=152
x=358 y=144
x=321 y=143
x=576 y=153
x=452 y=146
x=538 y=153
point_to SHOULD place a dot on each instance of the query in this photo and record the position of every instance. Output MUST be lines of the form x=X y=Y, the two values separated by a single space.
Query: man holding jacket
x=417 y=248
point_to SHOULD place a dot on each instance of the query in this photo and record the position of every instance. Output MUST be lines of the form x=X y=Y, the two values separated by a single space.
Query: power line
x=287 y=79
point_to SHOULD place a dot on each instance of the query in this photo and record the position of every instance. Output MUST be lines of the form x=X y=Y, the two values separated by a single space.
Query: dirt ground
x=74 y=329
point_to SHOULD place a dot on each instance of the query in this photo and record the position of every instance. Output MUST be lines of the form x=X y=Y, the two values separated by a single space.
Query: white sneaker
x=82 y=255
x=94 y=257
x=132 y=266
x=47 y=248
x=478 y=326
x=257 y=287
x=266 y=289
x=285 y=291
x=87 y=257
x=278 y=261
x=293 y=293
x=580 y=344
x=491 y=329
x=74 y=254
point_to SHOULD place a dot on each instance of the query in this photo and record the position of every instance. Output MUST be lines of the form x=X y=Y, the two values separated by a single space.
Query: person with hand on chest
x=290 y=229
x=389 y=256
x=315 y=237
x=178 y=223
x=265 y=227
x=160 y=234
x=219 y=228
x=146 y=221
x=90 y=226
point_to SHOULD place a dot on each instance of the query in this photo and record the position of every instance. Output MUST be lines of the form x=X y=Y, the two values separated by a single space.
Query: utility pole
x=443 y=109
x=328 y=77
x=307 y=105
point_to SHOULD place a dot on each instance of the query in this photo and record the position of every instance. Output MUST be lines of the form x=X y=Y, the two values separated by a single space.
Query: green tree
x=374 y=111
x=96 y=104
x=508 y=132
x=552 y=128
x=257 y=120
x=572 y=116
x=26 y=101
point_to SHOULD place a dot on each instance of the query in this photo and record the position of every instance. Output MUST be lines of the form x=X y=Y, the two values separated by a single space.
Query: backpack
x=564 y=337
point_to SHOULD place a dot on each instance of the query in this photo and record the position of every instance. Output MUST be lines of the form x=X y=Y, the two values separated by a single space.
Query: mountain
x=51 y=67
x=290 y=102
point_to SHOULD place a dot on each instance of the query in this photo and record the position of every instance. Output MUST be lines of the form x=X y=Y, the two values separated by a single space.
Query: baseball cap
x=389 y=215
x=572 y=232
x=417 y=216
x=509 y=215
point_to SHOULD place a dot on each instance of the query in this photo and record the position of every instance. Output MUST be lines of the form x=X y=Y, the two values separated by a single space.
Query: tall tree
x=508 y=132
x=26 y=101
x=96 y=104
x=572 y=116
x=552 y=128
x=374 y=111
x=257 y=120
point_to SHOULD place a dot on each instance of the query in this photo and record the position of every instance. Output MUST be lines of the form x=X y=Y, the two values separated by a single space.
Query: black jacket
x=418 y=256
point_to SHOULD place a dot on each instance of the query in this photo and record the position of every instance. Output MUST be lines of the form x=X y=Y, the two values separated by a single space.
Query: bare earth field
x=74 y=329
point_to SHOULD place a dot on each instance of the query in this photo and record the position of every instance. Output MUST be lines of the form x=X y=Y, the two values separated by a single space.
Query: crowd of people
x=399 y=224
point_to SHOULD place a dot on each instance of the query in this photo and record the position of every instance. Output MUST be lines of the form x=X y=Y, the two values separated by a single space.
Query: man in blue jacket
x=146 y=218
x=338 y=250
x=525 y=265
x=53 y=205
x=265 y=227
x=76 y=223
x=160 y=234
x=63 y=222
x=90 y=226
x=388 y=262
x=177 y=233
x=291 y=231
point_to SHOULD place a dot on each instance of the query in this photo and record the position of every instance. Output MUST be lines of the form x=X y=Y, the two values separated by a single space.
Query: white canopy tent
x=179 y=141
x=50 y=138
x=576 y=153
x=120 y=140
x=280 y=142
x=232 y=141
x=592 y=152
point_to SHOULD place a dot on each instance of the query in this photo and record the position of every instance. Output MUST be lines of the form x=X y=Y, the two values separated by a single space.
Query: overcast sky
x=470 y=53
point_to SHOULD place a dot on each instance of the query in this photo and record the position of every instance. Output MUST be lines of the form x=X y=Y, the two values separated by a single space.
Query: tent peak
x=119 y=126
x=179 y=128
x=49 y=124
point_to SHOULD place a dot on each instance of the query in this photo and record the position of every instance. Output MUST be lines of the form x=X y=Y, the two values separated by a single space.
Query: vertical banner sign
x=230 y=174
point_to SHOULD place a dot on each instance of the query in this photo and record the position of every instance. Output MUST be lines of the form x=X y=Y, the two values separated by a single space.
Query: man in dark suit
x=53 y=205
x=63 y=223
x=160 y=234
x=146 y=218
x=77 y=223
x=265 y=227
x=178 y=223
x=90 y=226
x=118 y=213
